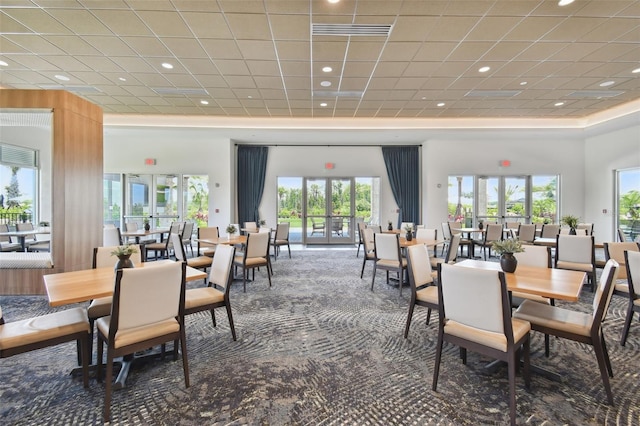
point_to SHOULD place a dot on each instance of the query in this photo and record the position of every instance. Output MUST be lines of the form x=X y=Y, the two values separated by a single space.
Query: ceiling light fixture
x=334 y=1
x=558 y=104
x=484 y=69
x=122 y=79
x=4 y=64
x=565 y=2
x=441 y=104
x=250 y=97
x=523 y=83
x=636 y=71
x=167 y=65
x=607 y=83
x=324 y=104
x=203 y=102
x=327 y=69
x=325 y=83
x=62 y=77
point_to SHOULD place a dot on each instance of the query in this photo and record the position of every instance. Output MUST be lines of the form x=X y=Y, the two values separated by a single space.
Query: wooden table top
x=236 y=239
x=81 y=286
x=547 y=282
x=415 y=241
x=143 y=233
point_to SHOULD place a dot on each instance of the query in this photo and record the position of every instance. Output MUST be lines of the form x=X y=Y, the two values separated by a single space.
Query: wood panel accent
x=77 y=174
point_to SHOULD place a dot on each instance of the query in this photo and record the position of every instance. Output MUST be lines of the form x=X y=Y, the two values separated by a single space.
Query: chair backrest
x=493 y=232
x=178 y=248
x=131 y=226
x=111 y=237
x=361 y=226
x=257 y=245
x=251 y=226
x=575 y=248
x=419 y=266
x=567 y=231
x=587 y=226
x=26 y=226
x=426 y=234
x=175 y=228
x=367 y=240
x=616 y=251
x=446 y=232
x=512 y=225
x=632 y=265
x=375 y=228
x=4 y=238
x=187 y=231
x=604 y=291
x=102 y=257
x=387 y=247
x=132 y=305
x=539 y=256
x=475 y=298
x=549 y=230
x=282 y=231
x=454 y=226
x=220 y=273
x=208 y=233
x=526 y=232
x=452 y=251
x=621 y=237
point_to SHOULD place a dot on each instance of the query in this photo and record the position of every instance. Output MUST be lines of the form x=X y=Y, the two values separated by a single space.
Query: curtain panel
x=252 y=168
x=403 y=169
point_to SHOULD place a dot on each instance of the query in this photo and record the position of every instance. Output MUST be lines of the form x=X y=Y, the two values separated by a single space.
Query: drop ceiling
x=389 y=58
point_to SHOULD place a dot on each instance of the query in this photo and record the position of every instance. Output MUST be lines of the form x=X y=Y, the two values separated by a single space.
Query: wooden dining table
x=552 y=283
x=229 y=240
x=404 y=243
x=65 y=288
x=142 y=233
x=22 y=235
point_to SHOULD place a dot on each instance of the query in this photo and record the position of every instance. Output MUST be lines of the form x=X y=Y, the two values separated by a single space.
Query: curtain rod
x=327 y=146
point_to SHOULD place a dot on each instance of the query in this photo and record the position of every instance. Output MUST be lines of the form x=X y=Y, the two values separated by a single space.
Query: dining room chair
x=281 y=239
x=621 y=236
x=578 y=326
x=632 y=269
x=201 y=262
x=139 y=321
x=368 y=250
x=446 y=235
x=317 y=226
x=475 y=314
x=423 y=291
x=361 y=226
x=5 y=241
x=527 y=232
x=216 y=293
x=493 y=232
x=250 y=227
x=454 y=228
x=576 y=252
x=539 y=257
x=207 y=233
x=449 y=258
x=164 y=248
x=256 y=254
x=388 y=258
x=26 y=226
x=587 y=226
x=424 y=234
x=187 y=236
x=549 y=230
x=47 y=330
x=616 y=251
x=111 y=237
x=133 y=227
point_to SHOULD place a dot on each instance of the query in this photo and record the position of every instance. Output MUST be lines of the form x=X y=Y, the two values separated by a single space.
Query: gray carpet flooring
x=320 y=348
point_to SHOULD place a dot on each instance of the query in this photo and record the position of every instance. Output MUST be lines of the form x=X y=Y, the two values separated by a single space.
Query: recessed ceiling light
x=558 y=104
x=122 y=79
x=523 y=83
x=607 y=83
x=324 y=104
x=327 y=69
x=636 y=71
x=423 y=98
x=4 y=64
x=325 y=83
x=334 y=1
x=62 y=77
x=484 y=69
x=441 y=104
x=167 y=65
x=250 y=97
x=203 y=102
x=565 y=2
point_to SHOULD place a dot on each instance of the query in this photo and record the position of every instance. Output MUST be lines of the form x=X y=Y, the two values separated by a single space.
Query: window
x=628 y=202
x=18 y=184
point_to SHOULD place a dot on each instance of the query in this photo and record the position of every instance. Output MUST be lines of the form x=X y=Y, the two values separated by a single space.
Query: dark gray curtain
x=252 y=167
x=403 y=169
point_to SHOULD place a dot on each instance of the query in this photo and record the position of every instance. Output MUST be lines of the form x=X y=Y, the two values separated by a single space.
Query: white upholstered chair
x=527 y=232
x=632 y=266
x=256 y=254
x=576 y=252
x=369 y=248
x=281 y=239
x=423 y=291
x=201 y=262
x=388 y=257
x=475 y=314
x=207 y=233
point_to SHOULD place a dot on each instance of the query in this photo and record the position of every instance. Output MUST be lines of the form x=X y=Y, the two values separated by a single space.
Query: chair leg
x=602 y=363
x=289 y=249
x=373 y=278
x=627 y=324
x=108 y=386
x=269 y=273
x=230 y=317
x=244 y=279
x=213 y=317
x=512 y=388
x=546 y=345
x=183 y=348
x=436 y=367
x=428 y=315
x=84 y=344
x=463 y=355
x=409 y=316
x=606 y=355
x=526 y=364
x=364 y=261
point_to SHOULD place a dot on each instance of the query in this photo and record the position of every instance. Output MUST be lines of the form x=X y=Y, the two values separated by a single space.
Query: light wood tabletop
x=233 y=240
x=415 y=241
x=81 y=286
x=546 y=282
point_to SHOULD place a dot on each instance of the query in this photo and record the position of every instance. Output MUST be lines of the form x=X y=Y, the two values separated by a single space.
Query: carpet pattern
x=320 y=348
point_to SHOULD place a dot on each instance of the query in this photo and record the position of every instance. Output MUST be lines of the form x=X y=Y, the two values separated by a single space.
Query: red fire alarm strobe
x=150 y=161
x=505 y=163
x=329 y=166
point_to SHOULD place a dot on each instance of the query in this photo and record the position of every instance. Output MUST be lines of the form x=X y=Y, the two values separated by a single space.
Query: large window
x=18 y=184
x=525 y=199
x=628 y=202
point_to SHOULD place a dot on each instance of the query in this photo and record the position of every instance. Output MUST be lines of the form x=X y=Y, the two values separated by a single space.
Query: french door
x=329 y=210
x=152 y=196
x=503 y=199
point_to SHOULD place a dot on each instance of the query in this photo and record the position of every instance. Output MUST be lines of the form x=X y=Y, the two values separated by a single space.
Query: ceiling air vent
x=75 y=89
x=493 y=93
x=337 y=94
x=595 y=94
x=351 y=30
x=179 y=91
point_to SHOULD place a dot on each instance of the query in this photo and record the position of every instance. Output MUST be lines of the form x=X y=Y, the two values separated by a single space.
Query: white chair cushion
x=100 y=307
x=202 y=296
x=487 y=338
x=138 y=334
x=585 y=267
x=428 y=294
x=554 y=317
x=20 y=333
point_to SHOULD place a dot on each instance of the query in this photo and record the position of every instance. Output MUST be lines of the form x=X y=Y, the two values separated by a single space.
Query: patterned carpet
x=319 y=348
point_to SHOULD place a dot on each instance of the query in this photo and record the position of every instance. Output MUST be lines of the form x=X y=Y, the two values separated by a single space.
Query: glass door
x=503 y=199
x=329 y=216
x=152 y=196
x=516 y=201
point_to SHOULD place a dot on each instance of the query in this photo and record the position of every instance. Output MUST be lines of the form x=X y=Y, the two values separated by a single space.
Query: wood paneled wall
x=77 y=174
